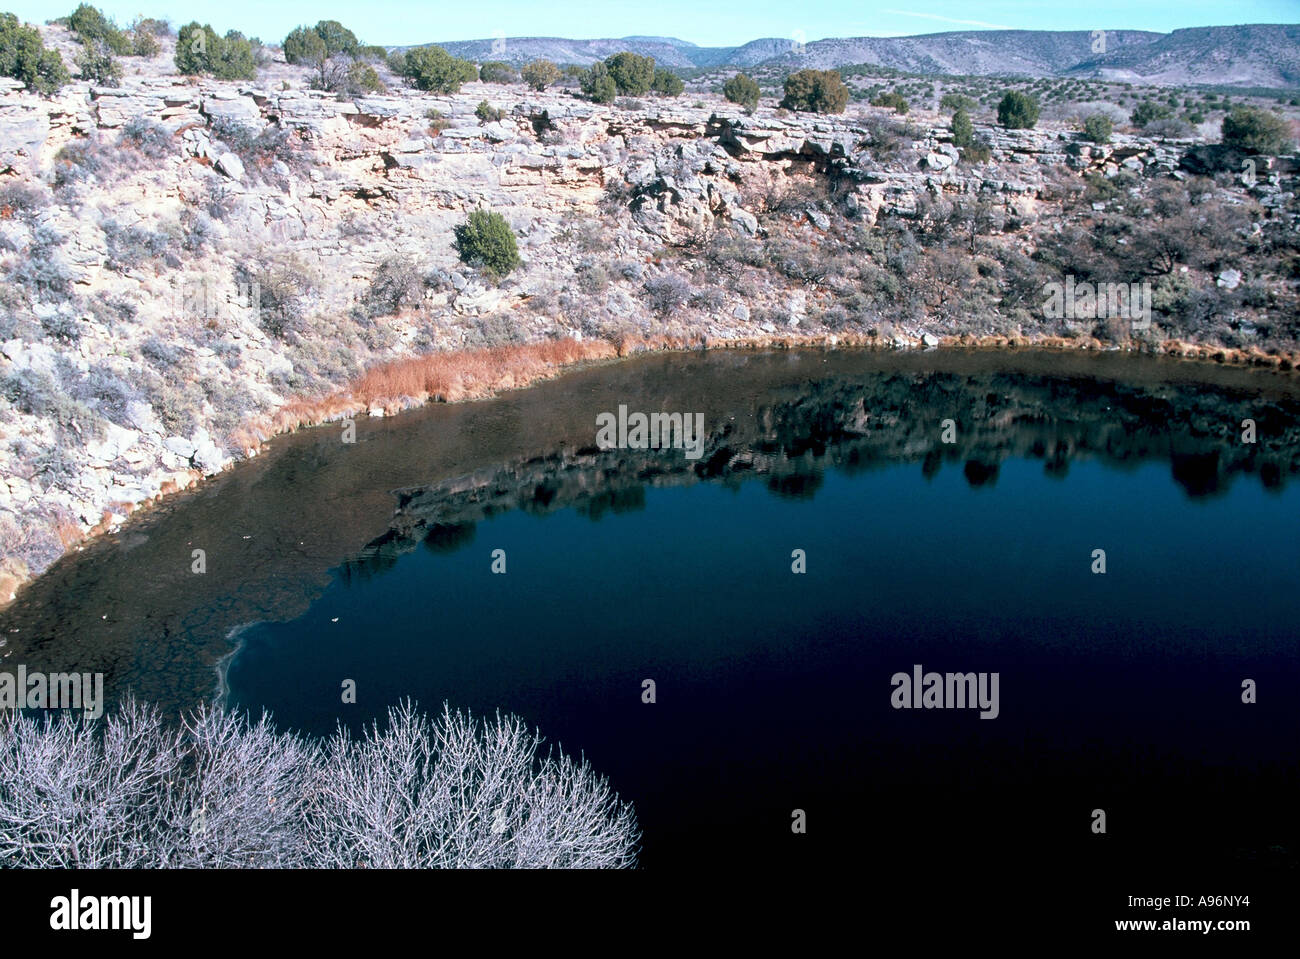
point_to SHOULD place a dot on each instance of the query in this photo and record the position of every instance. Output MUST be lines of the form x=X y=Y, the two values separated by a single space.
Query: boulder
x=231 y=166
x=938 y=161
x=1229 y=279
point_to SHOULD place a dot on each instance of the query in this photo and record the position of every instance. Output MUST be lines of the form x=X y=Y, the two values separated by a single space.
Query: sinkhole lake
x=1120 y=691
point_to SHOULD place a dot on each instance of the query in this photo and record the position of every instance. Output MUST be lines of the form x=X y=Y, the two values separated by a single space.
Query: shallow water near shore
x=1123 y=691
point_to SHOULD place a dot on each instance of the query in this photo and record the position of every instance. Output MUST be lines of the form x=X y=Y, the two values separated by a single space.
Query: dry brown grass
x=13 y=573
x=439 y=377
x=469 y=374
x=68 y=530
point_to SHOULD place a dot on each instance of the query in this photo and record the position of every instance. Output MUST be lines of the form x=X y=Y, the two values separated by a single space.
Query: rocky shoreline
x=353 y=402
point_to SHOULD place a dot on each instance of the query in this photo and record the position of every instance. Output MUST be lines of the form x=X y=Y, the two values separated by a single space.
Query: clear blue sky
x=706 y=22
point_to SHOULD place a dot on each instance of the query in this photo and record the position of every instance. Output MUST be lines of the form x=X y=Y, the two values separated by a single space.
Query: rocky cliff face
x=185 y=257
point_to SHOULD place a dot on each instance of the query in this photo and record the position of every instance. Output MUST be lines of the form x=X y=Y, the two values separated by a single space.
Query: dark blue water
x=1119 y=691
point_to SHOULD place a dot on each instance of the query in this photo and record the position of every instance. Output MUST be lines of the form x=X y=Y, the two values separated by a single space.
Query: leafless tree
x=455 y=793
x=223 y=791
x=241 y=796
x=667 y=293
x=73 y=795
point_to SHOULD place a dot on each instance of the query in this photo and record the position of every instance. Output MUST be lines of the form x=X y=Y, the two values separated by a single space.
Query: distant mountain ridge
x=1264 y=55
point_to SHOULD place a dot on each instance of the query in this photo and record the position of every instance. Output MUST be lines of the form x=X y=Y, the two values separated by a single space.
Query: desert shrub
x=62 y=328
x=487 y=113
x=144 y=39
x=787 y=195
x=55 y=467
x=332 y=51
x=23 y=56
x=397 y=283
x=81 y=161
x=955 y=102
x=495 y=71
x=284 y=288
x=1148 y=111
x=200 y=50
x=633 y=74
x=22 y=201
x=151 y=139
x=40 y=269
x=106 y=392
x=1098 y=128
x=222 y=791
x=36 y=393
x=592 y=277
x=1168 y=127
x=161 y=353
x=92 y=27
x=597 y=85
x=41 y=277
x=356 y=225
x=889 y=138
x=629 y=103
x=540 y=74
x=362 y=78
x=130 y=247
x=711 y=299
x=437 y=122
x=177 y=404
x=219 y=202
x=197 y=232
x=1256 y=131
x=666 y=83
x=485 y=240
x=1017 y=111
x=1171 y=293
x=891 y=101
x=1100 y=188
x=667 y=293
x=797 y=261
x=30 y=391
x=95 y=62
x=743 y=90
x=305 y=45
x=963 y=131
x=435 y=70
x=818 y=91
x=729 y=252
x=586 y=235
x=980 y=151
